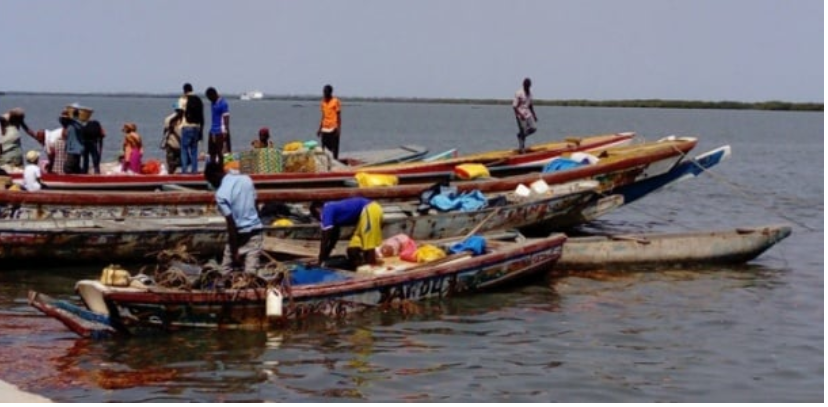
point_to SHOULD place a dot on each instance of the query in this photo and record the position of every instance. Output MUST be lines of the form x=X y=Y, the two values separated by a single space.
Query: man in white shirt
x=49 y=139
x=524 y=113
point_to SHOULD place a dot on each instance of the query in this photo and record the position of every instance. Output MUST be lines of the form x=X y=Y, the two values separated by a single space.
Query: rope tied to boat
x=753 y=195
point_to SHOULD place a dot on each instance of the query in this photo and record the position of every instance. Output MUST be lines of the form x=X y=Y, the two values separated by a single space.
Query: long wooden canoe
x=130 y=310
x=738 y=245
x=65 y=241
x=629 y=193
x=503 y=163
x=617 y=166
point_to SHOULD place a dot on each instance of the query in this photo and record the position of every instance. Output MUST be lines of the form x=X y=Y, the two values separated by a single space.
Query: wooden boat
x=618 y=166
x=503 y=163
x=622 y=195
x=443 y=155
x=686 y=169
x=513 y=212
x=65 y=241
x=401 y=154
x=737 y=245
x=76 y=241
x=129 y=310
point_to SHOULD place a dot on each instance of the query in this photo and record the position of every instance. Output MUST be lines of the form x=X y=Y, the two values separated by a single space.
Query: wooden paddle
x=481 y=223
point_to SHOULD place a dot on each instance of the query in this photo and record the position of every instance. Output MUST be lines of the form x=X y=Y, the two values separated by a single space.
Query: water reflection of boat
x=252 y=95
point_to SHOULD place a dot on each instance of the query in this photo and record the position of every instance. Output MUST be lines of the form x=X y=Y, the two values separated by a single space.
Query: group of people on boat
x=74 y=147
x=78 y=142
x=184 y=129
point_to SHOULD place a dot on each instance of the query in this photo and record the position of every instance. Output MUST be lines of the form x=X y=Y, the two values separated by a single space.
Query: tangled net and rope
x=178 y=268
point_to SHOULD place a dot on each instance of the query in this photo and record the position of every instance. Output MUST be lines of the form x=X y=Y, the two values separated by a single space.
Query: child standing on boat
x=31 y=173
x=133 y=149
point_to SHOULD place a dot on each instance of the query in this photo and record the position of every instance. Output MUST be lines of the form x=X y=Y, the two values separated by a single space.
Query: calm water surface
x=751 y=333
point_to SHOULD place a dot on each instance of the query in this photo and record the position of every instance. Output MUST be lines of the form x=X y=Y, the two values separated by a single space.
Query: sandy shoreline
x=9 y=393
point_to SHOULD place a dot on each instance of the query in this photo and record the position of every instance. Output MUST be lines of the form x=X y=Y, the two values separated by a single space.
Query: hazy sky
x=743 y=50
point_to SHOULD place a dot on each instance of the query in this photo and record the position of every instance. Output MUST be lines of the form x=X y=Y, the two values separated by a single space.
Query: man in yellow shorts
x=364 y=214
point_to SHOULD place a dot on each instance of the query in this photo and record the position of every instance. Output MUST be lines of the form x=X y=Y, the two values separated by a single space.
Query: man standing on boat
x=74 y=143
x=330 y=126
x=192 y=129
x=362 y=213
x=525 y=114
x=236 y=201
x=219 y=141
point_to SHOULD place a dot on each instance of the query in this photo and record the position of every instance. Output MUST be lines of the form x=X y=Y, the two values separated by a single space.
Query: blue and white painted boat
x=684 y=170
x=617 y=197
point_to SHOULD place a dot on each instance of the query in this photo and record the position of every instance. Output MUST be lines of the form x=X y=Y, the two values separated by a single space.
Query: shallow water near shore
x=745 y=333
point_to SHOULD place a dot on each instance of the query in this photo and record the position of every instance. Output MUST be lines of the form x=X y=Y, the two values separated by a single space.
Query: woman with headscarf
x=133 y=149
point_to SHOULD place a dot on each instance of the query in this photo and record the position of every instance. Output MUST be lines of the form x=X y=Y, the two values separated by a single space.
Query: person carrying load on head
x=362 y=213
x=12 y=127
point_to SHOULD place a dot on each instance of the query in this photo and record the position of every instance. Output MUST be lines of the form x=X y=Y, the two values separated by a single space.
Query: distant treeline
x=640 y=103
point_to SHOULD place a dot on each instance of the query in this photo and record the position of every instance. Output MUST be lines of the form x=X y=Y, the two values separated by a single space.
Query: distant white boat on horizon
x=252 y=95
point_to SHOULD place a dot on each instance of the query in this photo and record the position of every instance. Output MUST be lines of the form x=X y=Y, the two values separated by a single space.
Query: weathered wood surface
x=410 y=172
x=133 y=309
x=129 y=239
x=402 y=154
x=618 y=166
x=657 y=249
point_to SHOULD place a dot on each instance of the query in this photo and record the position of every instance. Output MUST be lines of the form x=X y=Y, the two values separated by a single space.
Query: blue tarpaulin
x=314 y=275
x=475 y=243
x=468 y=201
x=561 y=163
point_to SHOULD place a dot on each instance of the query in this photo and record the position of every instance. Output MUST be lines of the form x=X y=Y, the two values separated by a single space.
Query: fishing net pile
x=179 y=269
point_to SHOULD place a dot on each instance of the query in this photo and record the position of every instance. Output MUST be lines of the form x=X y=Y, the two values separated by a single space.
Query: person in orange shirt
x=330 y=126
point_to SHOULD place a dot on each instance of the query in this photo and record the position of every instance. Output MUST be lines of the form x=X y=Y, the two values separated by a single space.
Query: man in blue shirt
x=220 y=127
x=74 y=144
x=236 y=201
x=366 y=217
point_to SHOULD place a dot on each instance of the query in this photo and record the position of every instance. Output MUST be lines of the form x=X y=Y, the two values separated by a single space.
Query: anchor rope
x=752 y=194
x=748 y=193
